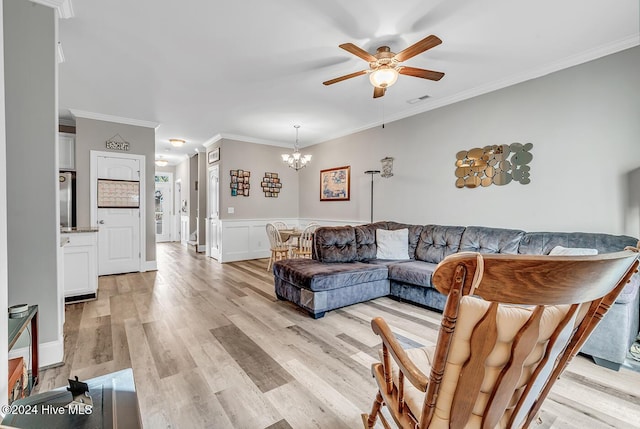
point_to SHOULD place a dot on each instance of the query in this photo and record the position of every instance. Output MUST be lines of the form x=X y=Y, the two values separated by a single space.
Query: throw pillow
x=392 y=244
x=572 y=251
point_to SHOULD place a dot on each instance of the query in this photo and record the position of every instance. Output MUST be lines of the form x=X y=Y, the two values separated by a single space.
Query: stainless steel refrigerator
x=67 y=196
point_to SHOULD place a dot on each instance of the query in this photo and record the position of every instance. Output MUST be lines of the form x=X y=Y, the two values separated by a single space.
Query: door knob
x=101 y=222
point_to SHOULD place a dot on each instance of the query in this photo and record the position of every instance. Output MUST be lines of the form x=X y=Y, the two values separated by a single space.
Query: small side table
x=17 y=325
x=115 y=405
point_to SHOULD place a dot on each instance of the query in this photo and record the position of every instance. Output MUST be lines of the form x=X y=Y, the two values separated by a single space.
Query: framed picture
x=335 y=184
x=214 y=156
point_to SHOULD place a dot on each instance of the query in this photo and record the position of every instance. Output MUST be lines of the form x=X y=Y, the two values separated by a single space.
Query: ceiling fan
x=384 y=64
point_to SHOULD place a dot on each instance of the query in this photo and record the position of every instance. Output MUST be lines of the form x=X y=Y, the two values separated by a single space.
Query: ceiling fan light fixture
x=177 y=142
x=383 y=77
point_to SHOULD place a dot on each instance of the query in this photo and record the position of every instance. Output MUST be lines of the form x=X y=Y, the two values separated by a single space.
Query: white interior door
x=163 y=201
x=213 y=203
x=119 y=228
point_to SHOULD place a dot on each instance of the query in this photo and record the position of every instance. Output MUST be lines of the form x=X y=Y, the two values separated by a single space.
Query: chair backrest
x=510 y=326
x=306 y=238
x=274 y=236
x=280 y=225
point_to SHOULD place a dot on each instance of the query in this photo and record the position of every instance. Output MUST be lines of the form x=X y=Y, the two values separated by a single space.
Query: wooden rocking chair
x=510 y=326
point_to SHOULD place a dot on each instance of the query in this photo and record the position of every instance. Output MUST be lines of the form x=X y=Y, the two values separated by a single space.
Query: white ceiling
x=251 y=69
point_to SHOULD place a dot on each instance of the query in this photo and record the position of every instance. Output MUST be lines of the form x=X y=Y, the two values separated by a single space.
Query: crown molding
x=110 y=118
x=212 y=140
x=64 y=7
x=253 y=140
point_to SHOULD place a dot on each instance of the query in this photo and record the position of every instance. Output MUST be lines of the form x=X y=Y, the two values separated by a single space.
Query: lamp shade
x=383 y=77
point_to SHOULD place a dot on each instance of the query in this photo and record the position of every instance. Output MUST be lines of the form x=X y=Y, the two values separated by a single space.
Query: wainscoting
x=246 y=239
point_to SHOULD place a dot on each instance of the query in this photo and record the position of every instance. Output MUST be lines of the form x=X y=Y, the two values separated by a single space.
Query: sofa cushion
x=414 y=234
x=437 y=242
x=412 y=272
x=366 y=240
x=317 y=276
x=491 y=240
x=572 y=251
x=335 y=244
x=392 y=244
x=541 y=243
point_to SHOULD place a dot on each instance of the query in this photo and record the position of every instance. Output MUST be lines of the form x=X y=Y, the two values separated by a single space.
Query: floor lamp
x=373 y=173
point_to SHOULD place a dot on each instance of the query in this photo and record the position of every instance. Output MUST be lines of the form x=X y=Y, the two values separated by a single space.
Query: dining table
x=289 y=234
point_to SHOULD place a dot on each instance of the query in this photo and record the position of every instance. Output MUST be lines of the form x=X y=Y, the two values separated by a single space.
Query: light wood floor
x=211 y=347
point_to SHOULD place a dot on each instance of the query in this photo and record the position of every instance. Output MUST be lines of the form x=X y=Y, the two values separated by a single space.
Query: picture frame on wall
x=214 y=156
x=335 y=184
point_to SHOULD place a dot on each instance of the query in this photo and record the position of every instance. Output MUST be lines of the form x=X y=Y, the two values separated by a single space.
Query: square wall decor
x=240 y=183
x=271 y=185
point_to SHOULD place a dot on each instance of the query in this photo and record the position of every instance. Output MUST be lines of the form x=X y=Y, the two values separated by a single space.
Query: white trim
x=116 y=119
x=249 y=140
x=150 y=266
x=212 y=140
x=49 y=353
x=93 y=191
x=244 y=239
x=64 y=7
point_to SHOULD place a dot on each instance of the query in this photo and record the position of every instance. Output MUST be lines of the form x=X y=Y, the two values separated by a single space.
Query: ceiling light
x=296 y=160
x=383 y=77
x=177 y=142
x=161 y=162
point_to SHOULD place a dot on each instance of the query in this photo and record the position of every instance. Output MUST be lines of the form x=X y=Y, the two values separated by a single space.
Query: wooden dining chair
x=280 y=224
x=279 y=249
x=510 y=326
x=305 y=242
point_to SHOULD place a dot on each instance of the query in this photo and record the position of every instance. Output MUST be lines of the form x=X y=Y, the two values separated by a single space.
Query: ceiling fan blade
x=345 y=77
x=378 y=92
x=359 y=52
x=425 y=74
x=418 y=48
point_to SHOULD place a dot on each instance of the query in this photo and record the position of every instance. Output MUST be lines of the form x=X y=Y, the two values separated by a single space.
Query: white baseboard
x=150 y=266
x=50 y=353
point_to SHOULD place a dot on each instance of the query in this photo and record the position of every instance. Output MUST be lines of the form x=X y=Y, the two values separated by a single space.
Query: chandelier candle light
x=296 y=160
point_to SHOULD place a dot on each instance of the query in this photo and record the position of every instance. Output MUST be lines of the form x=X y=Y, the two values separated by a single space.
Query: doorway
x=117 y=193
x=163 y=204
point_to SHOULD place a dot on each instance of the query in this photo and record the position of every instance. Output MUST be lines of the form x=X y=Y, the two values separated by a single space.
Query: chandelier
x=296 y=160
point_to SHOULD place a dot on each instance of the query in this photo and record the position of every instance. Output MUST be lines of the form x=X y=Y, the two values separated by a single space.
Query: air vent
x=419 y=99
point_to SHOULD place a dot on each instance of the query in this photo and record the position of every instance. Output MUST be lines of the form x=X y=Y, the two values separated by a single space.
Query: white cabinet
x=67 y=151
x=81 y=266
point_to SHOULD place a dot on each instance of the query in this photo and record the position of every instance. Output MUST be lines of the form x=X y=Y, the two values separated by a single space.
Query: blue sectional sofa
x=345 y=270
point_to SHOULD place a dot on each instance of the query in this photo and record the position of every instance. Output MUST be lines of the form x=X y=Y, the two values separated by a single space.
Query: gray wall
x=584 y=125
x=4 y=287
x=92 y=135
x=258 y=159
x=31 y=132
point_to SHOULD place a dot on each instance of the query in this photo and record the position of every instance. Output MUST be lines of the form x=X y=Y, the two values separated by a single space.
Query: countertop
x=78 y=229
